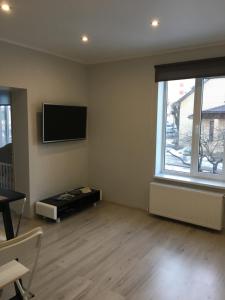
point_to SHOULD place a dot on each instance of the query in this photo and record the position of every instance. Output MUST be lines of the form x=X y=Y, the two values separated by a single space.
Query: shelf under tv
x=64 y=204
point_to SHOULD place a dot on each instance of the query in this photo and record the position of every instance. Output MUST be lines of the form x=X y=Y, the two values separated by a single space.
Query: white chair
x=11 y=269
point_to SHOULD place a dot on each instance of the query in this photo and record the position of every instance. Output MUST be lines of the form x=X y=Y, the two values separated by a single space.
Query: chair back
x=22 y=245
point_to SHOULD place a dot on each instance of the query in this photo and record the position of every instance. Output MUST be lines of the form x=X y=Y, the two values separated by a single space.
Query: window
x=179 y=100
x=191 y=125
x=5 y=119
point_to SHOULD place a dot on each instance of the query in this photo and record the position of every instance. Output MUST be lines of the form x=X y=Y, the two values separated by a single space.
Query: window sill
x=192 y=181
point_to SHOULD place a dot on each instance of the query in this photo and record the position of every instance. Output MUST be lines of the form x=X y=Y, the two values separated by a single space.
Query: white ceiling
x=117 y=28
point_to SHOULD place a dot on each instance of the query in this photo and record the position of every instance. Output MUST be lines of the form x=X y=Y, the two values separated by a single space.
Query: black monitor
x=63 y=123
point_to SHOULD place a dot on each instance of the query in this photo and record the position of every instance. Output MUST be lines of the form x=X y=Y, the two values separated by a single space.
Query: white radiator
x=185 y=204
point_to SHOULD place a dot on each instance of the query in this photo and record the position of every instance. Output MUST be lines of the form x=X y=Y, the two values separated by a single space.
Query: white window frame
x=161 y=135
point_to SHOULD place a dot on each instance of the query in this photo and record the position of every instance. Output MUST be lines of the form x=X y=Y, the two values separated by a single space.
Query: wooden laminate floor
x=115 y=253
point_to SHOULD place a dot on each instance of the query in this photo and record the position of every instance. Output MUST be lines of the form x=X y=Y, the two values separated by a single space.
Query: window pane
x=179 y=121
x=5 y=125
x=211 y=145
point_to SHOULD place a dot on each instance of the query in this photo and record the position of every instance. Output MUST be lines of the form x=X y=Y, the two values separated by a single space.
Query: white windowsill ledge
x=192 y=180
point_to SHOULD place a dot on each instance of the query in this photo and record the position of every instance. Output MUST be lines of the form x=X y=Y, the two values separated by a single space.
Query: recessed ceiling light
x=84 y=38
x=155 y=23
x=5 y=7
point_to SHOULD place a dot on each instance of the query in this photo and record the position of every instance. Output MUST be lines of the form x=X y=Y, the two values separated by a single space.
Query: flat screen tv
x=63 y=123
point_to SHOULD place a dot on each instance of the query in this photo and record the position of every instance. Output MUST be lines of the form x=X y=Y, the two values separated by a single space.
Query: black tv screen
x=63 y=123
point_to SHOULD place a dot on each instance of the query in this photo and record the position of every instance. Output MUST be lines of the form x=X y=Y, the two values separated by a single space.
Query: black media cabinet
x=64 y=204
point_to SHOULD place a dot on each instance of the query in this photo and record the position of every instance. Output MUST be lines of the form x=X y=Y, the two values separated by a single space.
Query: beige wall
x=53 y=167
x=122 y=124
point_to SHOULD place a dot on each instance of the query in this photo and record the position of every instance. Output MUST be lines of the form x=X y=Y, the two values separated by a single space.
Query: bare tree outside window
x=180 y=105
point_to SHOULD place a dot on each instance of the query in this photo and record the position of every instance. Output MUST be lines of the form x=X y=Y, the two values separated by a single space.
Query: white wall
x=122 y=124
x=54 y=167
